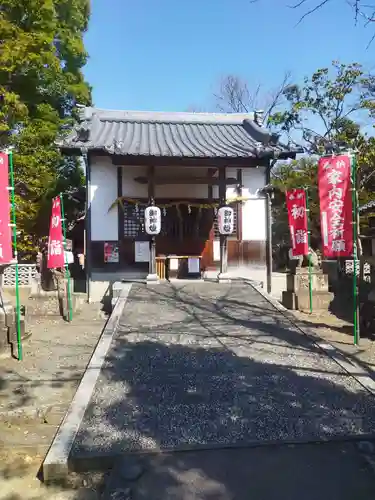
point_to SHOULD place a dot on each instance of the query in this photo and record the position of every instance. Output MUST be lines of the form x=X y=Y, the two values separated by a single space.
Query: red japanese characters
x=296 y=206
x=5 y=229
x=334 y=181
x=55 y=240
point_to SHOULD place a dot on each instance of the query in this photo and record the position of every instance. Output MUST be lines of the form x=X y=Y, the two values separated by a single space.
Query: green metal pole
x=14 y=226
x=308 y=243
x=67 y=273
x=355 y=254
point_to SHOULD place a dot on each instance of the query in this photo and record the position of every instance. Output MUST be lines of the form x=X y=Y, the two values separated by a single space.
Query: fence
x=26 y=274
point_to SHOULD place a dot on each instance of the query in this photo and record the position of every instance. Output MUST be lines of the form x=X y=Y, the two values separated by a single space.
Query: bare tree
x=362 y=10
x=235 y=96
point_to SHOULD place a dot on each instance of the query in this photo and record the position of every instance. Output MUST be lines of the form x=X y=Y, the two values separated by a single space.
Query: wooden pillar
x=268 y=232
x=152 y=275
x=239 y=192
x=88 y=245
x=121 y=216
x=223 y=238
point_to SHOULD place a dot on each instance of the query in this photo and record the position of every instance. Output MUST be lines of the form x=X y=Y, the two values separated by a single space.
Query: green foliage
x=321 y=110
x=41 y=80
x=330 y=108
x=297 y=174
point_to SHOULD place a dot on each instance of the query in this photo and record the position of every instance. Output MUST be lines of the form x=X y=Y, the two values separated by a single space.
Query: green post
x=14 y=226
x=355 y=253
x=308 y=243
x=67 y=273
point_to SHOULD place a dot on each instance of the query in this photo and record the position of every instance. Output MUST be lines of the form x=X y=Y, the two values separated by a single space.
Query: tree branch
x=311 y=11
x=234 y=96
x=358 y=7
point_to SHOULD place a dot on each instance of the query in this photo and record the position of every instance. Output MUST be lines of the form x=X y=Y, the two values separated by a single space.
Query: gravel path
x=208 y=365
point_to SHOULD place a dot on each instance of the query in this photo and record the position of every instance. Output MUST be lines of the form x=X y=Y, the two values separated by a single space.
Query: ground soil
x=34 y=396
x=339 y=333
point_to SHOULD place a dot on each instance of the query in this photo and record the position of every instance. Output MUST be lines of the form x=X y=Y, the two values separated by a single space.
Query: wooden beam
x=211 y=181
x=247 y=162
x=223 y=238
x=152 y=276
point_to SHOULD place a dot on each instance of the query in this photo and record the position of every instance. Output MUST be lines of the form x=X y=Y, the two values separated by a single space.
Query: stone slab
x=300 y=282
x=211 y=366
x=56 y=463
x=309 y=472
x=301 y=300
x=320 y=301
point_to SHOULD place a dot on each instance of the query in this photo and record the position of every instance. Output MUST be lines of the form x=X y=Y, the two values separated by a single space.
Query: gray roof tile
x=195 y=135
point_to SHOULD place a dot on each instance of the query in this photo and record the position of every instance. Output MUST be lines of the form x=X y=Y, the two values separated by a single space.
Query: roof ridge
x=88 y=113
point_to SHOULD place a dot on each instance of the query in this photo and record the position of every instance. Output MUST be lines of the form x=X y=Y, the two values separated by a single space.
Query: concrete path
x=215 y=366
x=328 y=471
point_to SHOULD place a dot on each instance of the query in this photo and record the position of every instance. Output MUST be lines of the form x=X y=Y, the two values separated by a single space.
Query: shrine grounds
x=223 y=347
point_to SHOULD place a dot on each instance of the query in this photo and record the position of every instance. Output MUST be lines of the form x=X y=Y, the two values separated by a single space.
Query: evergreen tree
x=41 y=59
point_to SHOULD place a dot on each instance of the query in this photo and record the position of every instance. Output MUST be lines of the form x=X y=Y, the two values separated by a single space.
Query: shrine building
x=188 y=165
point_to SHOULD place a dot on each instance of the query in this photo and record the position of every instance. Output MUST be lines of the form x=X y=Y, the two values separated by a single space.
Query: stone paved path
x=207 y=365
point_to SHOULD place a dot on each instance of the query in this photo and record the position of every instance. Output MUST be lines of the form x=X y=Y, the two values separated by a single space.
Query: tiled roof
x=159 y=134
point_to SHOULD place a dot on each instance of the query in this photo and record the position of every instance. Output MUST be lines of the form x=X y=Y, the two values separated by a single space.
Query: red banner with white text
x=55 y=240
x=5 y=228
x=297 y=217
x=334 y=181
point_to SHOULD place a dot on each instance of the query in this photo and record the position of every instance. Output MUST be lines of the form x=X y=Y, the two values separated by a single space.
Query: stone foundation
x=53 y=303
x=301 y=301
x=8 y=328
x=297 y=294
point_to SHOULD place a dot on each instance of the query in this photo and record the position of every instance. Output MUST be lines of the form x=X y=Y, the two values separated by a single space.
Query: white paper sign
x=141 y=251
x=193 y=265
x=69 y=257
x=216 y=245
x=173 y=264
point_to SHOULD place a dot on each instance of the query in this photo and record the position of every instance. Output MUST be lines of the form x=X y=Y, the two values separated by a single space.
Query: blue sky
x=170 y=55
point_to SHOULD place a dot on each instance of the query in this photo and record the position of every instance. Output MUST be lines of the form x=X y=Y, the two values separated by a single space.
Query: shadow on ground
x=220 y=368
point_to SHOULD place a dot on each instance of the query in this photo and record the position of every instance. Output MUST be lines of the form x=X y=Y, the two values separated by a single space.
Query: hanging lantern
x=226 y=220
x=152 y=220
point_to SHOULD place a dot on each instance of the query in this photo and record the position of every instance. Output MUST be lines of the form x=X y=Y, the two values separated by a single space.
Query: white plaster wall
x=181 y=191
x=253 y=210
x=104 y=224
x=130 y=187
x=134 y=189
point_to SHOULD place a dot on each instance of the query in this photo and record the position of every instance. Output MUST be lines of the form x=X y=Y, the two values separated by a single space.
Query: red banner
x=55 y=240
x=296 y=206
x=5 y=230
x=335 y=206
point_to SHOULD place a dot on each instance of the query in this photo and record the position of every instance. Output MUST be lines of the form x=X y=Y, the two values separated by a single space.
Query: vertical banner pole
x=355 y=253
x=14 y=220
x=67 y=273
x=309 y=243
